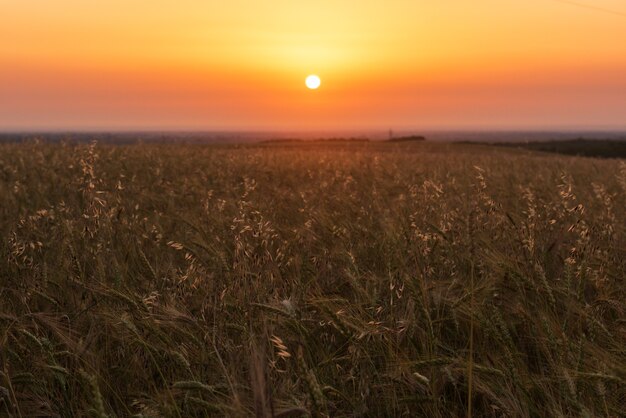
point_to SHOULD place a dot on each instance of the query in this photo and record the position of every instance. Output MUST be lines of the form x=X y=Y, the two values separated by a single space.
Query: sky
x=241 y=64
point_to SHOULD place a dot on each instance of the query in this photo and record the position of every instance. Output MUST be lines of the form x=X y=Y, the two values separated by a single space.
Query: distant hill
x=406 y=138
x=586 y=147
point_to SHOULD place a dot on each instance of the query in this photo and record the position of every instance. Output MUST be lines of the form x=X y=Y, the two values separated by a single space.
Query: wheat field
x=317 y=280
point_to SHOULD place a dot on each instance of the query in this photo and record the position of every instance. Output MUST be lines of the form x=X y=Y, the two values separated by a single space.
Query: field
x=286 y=280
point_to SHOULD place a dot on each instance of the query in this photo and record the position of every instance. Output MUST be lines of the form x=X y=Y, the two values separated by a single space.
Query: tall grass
x=310 y=280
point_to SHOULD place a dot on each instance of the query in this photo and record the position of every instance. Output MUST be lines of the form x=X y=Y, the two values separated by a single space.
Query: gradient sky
x=235 y=64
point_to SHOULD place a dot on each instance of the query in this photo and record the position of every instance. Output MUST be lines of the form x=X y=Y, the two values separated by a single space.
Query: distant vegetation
x=604 y=148
x=407 y=138
x=416 y=279
x=340 y=140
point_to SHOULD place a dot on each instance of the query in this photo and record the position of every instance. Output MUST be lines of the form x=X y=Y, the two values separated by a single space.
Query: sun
x=313 y=82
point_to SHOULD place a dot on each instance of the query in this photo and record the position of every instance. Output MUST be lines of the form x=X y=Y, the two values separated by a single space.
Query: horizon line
x=233 y=131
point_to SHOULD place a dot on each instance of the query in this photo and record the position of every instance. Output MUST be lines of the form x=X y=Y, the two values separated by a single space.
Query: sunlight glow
x=240 y=64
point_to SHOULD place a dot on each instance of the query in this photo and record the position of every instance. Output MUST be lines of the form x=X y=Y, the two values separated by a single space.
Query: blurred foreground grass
x=293 y=280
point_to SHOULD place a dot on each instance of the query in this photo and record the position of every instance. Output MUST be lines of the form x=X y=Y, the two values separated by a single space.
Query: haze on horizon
x=490 y=64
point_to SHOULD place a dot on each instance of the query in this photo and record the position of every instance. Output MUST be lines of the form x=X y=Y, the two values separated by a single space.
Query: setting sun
x=313 y=82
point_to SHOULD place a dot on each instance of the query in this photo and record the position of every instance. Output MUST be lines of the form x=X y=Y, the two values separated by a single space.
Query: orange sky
x=402 y=64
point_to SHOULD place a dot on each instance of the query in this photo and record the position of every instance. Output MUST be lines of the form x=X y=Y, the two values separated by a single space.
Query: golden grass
x=324 y=280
